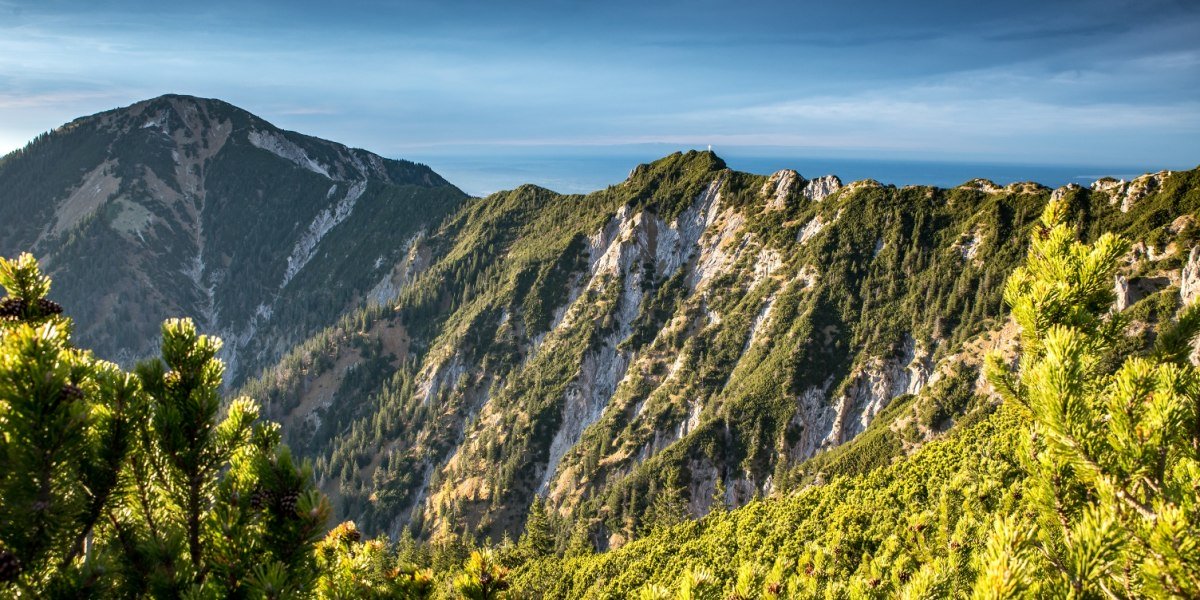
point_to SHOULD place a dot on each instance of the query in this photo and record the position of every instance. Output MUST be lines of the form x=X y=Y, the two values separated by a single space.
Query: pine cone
x=71 y=392
x=12 y=309
x=10 y=566
x=288 y=502
x=258 y=498
x=49 y=307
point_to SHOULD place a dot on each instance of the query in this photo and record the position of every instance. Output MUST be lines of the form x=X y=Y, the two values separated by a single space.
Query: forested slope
x=690 y=334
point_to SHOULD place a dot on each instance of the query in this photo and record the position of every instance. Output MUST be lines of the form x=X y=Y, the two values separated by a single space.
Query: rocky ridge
x=706 y=330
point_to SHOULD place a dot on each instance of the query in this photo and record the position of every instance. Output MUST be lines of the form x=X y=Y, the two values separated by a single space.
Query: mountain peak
x=219 y=216
x=677 y=164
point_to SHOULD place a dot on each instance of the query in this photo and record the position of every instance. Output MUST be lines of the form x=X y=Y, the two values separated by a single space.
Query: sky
x=1105 y=83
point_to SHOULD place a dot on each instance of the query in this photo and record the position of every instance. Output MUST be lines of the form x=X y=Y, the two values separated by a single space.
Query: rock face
x=1128 y=193
x=779 y=186
x=986 y=186
x=182 y=206
x=822 y=187
x=1129 y=291
x=1064 y=190
x=1189 y=292
x=874 y=386
x=1189 y=280
x=784 y=184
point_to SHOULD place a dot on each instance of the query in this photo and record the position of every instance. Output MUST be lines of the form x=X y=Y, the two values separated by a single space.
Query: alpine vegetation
x=695 y=383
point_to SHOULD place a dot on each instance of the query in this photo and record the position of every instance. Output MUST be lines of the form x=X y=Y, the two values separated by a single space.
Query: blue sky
x=1103 y=82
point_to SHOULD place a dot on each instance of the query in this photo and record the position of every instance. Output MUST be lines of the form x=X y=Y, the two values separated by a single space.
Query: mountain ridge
x=689 y=338
x=554 y=448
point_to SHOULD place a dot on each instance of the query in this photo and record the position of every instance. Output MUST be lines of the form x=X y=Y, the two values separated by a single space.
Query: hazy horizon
x=575 y=171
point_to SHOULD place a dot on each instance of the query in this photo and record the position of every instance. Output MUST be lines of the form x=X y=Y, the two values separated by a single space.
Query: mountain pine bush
x=152 y=485
x=1113 y=454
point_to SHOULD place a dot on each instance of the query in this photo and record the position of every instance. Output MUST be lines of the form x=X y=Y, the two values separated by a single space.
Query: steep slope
x=856 y=536
x=181 y=206
x=690 y=330
x=918 y=527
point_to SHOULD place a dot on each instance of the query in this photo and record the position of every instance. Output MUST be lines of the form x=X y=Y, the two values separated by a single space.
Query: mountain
x=688 y=339
x=691 y=337
x=182 y=206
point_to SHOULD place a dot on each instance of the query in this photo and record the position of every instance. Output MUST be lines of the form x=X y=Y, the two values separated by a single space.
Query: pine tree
x=538 y=539
x=216 y=506
x=483 y=578
x=1113 y=454
x=698 y=584
x=353 y=569
x=151 y=484
x=580 y=543
x=65 y=421
x=667 y=508
x=719 y=497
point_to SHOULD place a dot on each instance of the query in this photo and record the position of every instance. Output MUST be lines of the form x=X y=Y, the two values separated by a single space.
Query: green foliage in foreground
x=115 y=484
x=1083 y=484
x=1113 y=458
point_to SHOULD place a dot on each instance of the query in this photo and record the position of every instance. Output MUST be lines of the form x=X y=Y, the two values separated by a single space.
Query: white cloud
x=999 y=116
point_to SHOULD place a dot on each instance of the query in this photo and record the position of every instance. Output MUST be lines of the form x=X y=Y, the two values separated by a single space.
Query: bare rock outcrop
x=820 y=423
x=1128 y=193
x=1130 y=290
x=1058 y=193
x=986 y=186
x=1189 y=279
x=779 y=186
x=782 y=185
x=822 y=187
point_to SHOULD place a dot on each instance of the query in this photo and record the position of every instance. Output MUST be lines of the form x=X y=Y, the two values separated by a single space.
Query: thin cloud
x=305 y=111
x=44 y=100
x=997 y=116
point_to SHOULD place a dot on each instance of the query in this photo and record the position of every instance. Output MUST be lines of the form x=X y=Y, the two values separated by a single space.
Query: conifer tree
x=151 y=485
x=65 y=421
x=719 y=497
x=353 y=569
x=668 y=507
x=539 y=538
x=483 y=578
x=216 y=506
x=580 y=543
x=1113 y=454
x=698 y=584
